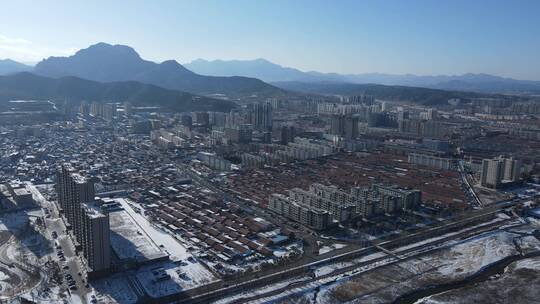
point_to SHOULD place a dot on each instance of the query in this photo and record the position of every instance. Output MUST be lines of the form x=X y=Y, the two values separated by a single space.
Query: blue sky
x=406 y=36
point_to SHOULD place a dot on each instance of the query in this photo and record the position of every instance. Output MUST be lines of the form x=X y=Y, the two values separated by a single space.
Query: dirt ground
x=514 y=286
x=451 y=264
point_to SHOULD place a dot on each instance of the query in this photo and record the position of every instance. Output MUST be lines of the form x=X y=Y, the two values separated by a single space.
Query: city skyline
x=419 y=37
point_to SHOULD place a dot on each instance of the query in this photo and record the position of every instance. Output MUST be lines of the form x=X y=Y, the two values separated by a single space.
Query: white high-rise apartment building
x=496 y=171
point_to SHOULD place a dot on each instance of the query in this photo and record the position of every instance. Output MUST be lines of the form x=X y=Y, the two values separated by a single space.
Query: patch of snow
x=114 y=289
x=261 y=290
x=326 y=249
x=180 y=277
x=3 y=276
x=161 y=238
x=528 y=264
x=324 y=270
x=128 y=242
x=503 y=216
x=473 y=254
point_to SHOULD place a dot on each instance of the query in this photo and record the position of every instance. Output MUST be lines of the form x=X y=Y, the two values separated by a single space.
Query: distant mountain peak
x=7 y=60
x=107 y=46
x=171 y=62
x=262 y=60
x=275 y=73
x=103 y=48
x=9 y=66
x=105 y=62
x=256 y=68
x=200 y=60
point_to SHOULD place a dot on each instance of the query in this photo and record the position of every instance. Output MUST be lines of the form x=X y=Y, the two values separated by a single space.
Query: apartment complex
x=260 y=115
x=106 y=111
x=321 y=205
x=424 y=128
x=241 y=133
x=498 y=171
x=300 y=149
x=89 y=225
x=96 y=238
x=310 y=216
x=213 y=161
x=430 y=161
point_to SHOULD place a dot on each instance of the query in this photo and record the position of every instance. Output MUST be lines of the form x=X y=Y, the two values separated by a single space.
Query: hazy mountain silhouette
x=8 y=66
x=420 y=95
x=271 y=72
x=29 y=86
x=258 y=68
x=104 y=62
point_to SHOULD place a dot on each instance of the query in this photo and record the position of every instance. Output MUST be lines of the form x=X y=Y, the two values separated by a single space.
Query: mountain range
x=419 y=95
x=271 y=72
x=8 y=66
x=105 y=63
x=28 y=86
x=104 y=72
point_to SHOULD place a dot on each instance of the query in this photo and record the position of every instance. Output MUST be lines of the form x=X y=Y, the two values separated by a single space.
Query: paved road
x=244 y=283
x=55 y=223
x=407 y=253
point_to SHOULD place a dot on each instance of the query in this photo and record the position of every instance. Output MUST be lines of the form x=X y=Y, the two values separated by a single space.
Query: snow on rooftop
x=128 y=242
x=195 y=274
x=170 y=278
x=159 y=237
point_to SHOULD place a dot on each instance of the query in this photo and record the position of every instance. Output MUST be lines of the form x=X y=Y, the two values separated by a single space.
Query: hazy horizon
x=347 y=37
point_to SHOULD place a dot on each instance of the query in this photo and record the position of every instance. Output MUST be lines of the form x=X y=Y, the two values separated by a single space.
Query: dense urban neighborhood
x=289 y=197
x=394 y=158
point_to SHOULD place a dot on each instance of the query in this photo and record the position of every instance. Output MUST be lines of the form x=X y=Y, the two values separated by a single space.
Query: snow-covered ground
x=446 y=235
x=19 y=256
x=128 y=242
x=185 y=271
x=389 y=277
x=534 y=221
x=528 y=243
x=261 y=290
x=319 y=271
x=187 y=275
x=533 y=264
x=326 y=249
x=5 y=280
x=115 y=289
x=324 y=270
x=472 y=255
x=286 y=251
x=161 y=238
x=518 y=284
